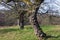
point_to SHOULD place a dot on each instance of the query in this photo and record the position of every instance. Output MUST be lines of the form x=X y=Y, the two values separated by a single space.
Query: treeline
x=8 y=18
x=12 y=18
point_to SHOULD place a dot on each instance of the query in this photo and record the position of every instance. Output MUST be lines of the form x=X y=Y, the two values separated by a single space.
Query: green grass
x=14 y=33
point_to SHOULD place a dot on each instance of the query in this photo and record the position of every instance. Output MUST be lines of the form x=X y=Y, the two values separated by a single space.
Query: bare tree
x=38 y=31
x=36 y=26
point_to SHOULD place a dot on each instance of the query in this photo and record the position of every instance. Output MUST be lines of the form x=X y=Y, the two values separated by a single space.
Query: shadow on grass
x=2 y=31
x=49 y=36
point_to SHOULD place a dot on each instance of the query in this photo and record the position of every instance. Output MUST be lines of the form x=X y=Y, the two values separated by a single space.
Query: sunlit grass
x=14 y=33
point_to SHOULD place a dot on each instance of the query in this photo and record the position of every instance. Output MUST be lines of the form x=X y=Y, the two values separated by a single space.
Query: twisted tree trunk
x=38 y=31
x=21 y=20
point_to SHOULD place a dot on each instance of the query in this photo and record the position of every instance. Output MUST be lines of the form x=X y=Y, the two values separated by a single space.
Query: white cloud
x=52 y=6
x=3 y=8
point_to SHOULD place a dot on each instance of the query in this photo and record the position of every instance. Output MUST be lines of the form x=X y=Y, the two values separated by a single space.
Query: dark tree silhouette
x=36 y=26
x=21 y=20
x=10 y=0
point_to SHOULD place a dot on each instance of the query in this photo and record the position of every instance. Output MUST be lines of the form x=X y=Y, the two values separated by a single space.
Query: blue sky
x=3 y=8
x=50 y=5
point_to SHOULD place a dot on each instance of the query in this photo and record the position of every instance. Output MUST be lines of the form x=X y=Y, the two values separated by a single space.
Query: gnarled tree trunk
x=38 y=31
x=21 y=20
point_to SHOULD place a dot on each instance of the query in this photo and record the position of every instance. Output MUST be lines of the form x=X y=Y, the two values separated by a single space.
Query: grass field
x=14 y=33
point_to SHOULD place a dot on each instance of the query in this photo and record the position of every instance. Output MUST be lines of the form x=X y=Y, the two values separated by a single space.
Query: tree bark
x=21 y=20
x=38 y=31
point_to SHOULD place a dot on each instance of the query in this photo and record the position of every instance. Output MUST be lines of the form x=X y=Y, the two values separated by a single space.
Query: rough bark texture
x=38 y=31
x=21 y=20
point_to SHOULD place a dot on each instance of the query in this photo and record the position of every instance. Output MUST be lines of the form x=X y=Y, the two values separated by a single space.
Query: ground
x=14 y=33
